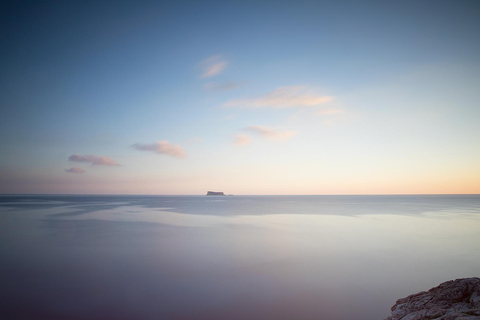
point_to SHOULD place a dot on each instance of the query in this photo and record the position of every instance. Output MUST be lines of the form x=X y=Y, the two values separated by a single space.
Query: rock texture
x=452 y=300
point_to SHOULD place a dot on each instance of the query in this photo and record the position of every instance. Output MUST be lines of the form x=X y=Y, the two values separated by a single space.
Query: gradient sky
x=245 y=97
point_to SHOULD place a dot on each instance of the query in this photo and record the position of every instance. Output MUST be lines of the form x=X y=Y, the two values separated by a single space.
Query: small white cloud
x=270 y=133
x=162 y=147
x=212 y=66
x=284 y=97
x=241 y=139
x=94 y=160
x=75 y=170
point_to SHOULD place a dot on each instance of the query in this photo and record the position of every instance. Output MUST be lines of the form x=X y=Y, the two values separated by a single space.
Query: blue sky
x=264 y=97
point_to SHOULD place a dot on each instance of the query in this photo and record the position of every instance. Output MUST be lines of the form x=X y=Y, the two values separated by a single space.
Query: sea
x=229 y=257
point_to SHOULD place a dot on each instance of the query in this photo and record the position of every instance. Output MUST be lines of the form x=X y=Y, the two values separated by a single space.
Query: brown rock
x=452 y=300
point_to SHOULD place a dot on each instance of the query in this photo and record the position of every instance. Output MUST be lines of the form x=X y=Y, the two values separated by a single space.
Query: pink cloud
x=162 y=147
x=75 y=170
x=94 y=160
x=329 y=111
x=241 y=140
x=212 y=66
x=284 y=97
x=270 y=133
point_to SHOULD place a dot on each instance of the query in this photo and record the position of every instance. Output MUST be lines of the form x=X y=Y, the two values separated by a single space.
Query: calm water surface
x=241 y=257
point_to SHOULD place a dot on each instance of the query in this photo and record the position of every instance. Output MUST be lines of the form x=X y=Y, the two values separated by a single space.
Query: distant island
x=214 y=193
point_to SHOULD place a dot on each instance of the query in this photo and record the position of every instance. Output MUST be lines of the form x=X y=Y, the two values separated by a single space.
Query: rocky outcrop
x=452 y=300
x=214 y=193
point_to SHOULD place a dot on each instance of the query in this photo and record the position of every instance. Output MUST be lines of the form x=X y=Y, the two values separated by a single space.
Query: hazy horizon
x=250 y=195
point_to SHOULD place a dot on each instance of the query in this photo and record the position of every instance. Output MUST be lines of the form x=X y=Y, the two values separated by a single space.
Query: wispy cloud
x=270 y=133
x=284 y=97
x=75 y=170
x=94 y=160
x=241 y=139
x=212 y=66
x=324 y=112
x=162 y=147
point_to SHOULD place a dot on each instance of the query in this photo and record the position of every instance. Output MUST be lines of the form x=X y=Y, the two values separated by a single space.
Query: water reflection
x=149 y=259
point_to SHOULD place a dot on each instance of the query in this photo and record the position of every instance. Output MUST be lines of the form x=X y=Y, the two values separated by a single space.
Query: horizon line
x=250 y=195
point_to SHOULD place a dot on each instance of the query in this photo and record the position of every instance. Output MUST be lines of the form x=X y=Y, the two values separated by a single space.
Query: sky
x=246 y=97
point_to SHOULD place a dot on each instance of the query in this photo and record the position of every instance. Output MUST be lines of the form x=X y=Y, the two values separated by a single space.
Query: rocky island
x=215 y=193
x=452 y=300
